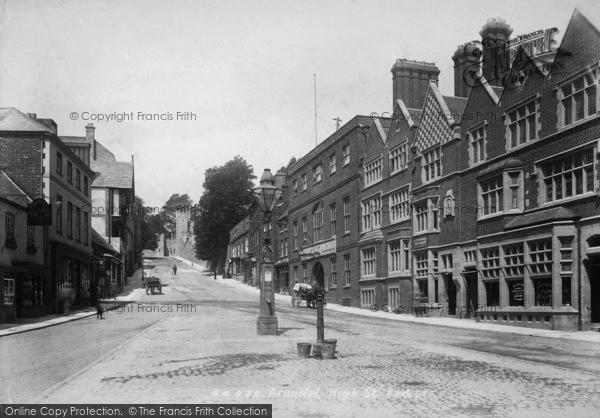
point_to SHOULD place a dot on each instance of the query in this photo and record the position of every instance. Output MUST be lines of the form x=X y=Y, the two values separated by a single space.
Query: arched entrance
x=319 y=274
x=592 y=265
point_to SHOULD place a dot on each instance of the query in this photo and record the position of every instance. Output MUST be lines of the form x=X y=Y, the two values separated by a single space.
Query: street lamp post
x=267 y=195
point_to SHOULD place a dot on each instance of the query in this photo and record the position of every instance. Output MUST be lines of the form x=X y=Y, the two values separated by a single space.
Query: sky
x=244 y=69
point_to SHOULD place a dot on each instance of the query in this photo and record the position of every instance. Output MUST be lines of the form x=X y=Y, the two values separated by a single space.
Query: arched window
x=318 y=223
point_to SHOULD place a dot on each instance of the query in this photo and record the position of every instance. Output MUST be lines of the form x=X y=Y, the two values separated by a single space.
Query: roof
x=499 y=166
x=383 y=125
x=99 y=240
x=114 y=174
x=102 y=153
x=13 y=120
x=10 y=191
x=353 y=123
x=456 y=105
x=544 y=216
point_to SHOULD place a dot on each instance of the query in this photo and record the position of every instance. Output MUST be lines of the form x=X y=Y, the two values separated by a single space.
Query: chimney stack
x=89 y=132
x=90 y=138
x=495 y=35
x=411 y=81
x=466 y=63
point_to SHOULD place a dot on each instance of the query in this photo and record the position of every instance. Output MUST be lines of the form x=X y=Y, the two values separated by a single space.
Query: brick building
x=481 y=205
x=41 y=165
x=22 y=249
x=323 y=213
x=509 y=232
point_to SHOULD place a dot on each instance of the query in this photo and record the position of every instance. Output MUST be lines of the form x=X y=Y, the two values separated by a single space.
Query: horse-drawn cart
x=153 y=283
x=303 y=292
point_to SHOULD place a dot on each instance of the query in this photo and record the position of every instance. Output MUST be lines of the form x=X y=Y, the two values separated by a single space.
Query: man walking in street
x=174 y=270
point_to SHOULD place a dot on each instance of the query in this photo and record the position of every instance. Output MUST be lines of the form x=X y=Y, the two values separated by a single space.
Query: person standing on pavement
x=99 y=311
x=174 y=270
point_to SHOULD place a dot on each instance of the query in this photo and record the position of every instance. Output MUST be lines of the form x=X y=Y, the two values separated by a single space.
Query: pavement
x=129 y=293
x=213 y=355
x=134 y=289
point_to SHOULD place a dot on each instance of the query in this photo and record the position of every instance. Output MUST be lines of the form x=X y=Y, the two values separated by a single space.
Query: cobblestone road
x=213 y=355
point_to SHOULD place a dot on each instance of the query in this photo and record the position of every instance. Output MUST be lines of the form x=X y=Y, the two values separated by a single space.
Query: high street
x=197 y=343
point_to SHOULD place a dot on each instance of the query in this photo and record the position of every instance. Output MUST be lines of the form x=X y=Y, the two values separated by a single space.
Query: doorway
x=472 y=294
x=319 y=274
x=594 y=278
x=451 y=292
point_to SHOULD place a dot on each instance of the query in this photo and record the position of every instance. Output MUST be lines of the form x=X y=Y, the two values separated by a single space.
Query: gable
x=436 y=119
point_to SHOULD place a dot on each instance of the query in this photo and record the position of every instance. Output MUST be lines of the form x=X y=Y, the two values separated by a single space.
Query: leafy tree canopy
x=225 y=202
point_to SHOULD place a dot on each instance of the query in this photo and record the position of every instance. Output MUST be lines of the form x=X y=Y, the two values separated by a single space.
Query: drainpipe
x=579 y=267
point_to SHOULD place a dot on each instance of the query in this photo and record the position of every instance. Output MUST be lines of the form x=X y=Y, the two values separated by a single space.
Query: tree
x=225 y=202
x=150 y=225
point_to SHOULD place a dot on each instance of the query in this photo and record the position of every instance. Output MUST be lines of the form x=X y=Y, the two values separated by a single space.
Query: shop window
x=9 y=291
x=492 y=293
x=543 y=291
x=423 y=288
x=516 y=293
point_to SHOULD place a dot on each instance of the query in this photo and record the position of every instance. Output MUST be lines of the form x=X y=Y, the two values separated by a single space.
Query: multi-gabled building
x=484 y=205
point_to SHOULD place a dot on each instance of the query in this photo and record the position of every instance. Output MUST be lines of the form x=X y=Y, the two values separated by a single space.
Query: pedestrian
x=215 y=274
x=174 y=270
x=99 y=311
